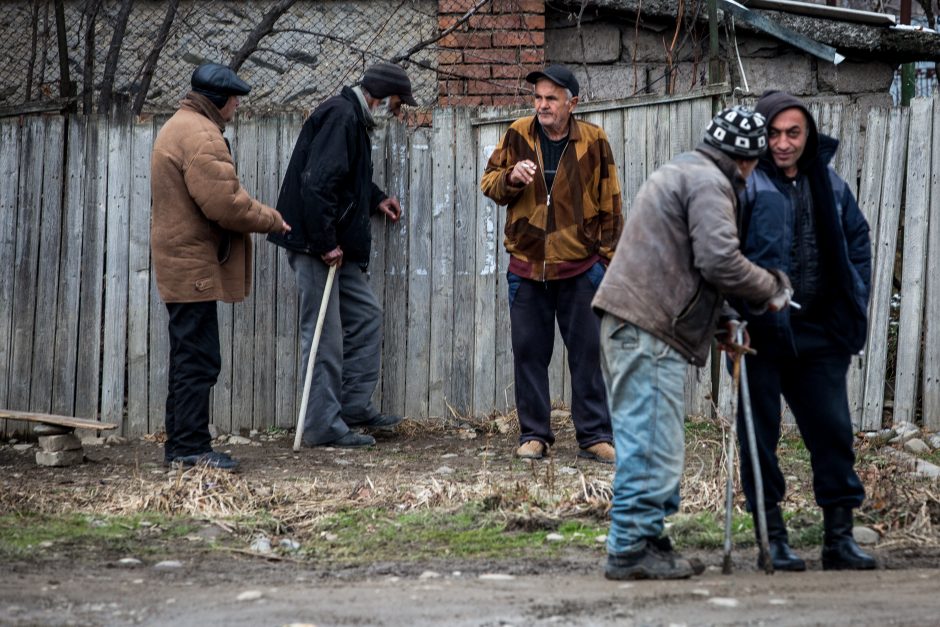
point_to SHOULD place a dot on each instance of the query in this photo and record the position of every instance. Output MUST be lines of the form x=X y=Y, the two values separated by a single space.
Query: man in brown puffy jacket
x=201 y=216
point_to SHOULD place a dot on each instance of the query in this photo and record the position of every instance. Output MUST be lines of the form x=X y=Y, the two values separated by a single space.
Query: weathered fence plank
x=441 y=358
x=247 y=151
x=883 y=268
x=396 y=277
x=379 y=239
x=466 y=180
x=116 y=265
x=47 y=279
x=138 y=273
x=87 y=384
x=634 y=154
x=484 y=350
x=287 y=340
x=931 y=372
x=9 y=170
x=420 y=220
x=26 y=261
x=264 y=286
x=917 y=198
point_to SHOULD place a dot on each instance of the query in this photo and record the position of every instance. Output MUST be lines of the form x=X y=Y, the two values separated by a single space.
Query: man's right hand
x=780 y=300
x=522 y=173
x=334 y=257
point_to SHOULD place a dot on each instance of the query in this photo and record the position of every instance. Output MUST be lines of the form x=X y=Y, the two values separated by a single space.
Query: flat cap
x=387 y=79
x=214 y=79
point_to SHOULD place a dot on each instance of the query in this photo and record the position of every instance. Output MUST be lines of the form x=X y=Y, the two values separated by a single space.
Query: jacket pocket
x=695 y=323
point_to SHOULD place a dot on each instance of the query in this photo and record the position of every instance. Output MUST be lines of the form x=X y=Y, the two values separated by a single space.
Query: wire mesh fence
x=293 y=53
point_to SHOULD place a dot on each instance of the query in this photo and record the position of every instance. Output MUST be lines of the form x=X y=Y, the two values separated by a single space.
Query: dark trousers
x=814 y=387
x=533 y=309
x=194 y=368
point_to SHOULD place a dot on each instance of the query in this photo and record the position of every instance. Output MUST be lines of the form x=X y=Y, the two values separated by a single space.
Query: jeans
x=645 y=379
x=534 y=307
x=347 y=363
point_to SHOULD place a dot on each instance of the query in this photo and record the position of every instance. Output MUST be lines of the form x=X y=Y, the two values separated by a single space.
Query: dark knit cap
x=738 y=132
x=217 y=82
x=773 y=102
x=387 y=79
x=558 y=74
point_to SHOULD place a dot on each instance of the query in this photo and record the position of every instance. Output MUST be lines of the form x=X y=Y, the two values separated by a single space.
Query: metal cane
x=755 y=463
x=311 y=358
x=726 y=566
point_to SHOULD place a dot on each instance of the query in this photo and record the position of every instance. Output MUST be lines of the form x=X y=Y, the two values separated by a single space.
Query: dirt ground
x=220 y=578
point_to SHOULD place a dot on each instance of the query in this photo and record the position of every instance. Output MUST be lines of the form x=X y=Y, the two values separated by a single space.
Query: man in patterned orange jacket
x=557 y=176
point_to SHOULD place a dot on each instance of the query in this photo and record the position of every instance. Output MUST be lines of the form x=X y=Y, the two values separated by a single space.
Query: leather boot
x=840 y=552
x=780 y=553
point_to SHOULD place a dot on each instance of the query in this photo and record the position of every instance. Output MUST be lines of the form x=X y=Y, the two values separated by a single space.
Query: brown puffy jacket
x=200 y=213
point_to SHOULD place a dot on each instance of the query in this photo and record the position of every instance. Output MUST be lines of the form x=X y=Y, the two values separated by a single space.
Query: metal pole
x=727 y=567
x=907 y=69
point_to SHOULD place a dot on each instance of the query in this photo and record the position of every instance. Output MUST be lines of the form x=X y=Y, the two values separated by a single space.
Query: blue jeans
x=645 y=380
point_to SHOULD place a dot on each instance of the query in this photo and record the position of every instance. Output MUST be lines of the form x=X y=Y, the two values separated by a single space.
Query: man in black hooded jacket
x=800 y=217
x=329 y=195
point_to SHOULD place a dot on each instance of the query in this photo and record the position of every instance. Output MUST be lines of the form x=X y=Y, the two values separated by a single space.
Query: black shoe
x=211 y=459
x=647 y=563
x=378 y=421
x=352 y=440
x=840 y=551
x=664 y=545
x=782 y=557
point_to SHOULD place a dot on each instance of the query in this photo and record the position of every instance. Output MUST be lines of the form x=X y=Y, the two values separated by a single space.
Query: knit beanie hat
x=217 y=82
x=738 y=132
x=387 y=79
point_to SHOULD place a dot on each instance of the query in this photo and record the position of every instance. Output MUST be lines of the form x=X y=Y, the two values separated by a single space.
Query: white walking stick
x=311 y=358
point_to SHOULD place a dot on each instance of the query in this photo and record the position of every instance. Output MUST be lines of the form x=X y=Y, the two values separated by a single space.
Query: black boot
x=780 y=553
x=840 y=552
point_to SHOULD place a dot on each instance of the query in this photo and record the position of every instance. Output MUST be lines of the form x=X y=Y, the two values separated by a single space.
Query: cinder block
x=600 y=44
x=64 y=442
x=59 y=458
x=854 y=78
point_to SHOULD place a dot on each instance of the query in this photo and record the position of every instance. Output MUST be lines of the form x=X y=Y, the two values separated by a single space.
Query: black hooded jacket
x=835 y=257
x=327 y=194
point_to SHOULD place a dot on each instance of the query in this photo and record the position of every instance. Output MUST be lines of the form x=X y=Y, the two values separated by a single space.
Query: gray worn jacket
x=679 y=253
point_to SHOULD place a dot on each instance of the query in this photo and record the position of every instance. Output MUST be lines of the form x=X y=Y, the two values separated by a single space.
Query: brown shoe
x=601 y=452
x=532 y=449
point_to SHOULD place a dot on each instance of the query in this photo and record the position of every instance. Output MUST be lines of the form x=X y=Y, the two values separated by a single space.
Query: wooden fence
x=83 y=332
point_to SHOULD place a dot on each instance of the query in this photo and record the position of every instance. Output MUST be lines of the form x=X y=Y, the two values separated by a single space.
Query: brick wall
x=484 y=60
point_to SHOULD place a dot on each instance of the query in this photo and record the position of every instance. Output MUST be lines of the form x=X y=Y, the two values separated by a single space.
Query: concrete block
x=64 y=442
x=592 y=43
x=854 y=78
x=644 y=45
x=790 y=72
x=59 y=458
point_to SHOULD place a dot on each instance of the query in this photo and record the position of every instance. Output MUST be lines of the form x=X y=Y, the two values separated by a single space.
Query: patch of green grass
x=706 y=530
x=471 y=532
x=22 y=534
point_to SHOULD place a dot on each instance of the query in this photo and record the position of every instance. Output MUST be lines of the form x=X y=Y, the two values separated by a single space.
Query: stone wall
x=621 y=57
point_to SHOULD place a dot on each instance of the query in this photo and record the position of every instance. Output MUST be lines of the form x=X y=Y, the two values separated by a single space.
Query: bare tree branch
x=421 y=45
x=88 y=68
x=66 y=87
x=150 y=63
x=259 y=32
x=32 y=54
x=114 y=53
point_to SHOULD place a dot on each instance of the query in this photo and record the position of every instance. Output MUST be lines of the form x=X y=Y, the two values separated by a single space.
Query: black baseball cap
x=558 y=74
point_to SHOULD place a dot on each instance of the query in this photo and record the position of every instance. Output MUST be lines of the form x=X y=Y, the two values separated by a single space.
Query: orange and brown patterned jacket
x=583 y=221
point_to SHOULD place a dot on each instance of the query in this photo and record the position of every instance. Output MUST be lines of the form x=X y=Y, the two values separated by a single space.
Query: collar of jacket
x=362 y=111
x=574 y=131
x=203 y=106
x=727 y=165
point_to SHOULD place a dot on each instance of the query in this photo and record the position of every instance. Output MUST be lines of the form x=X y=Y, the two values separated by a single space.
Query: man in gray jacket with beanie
x=661 y=298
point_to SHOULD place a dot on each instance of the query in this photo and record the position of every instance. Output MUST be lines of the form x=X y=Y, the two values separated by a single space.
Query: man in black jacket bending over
x=328 y=194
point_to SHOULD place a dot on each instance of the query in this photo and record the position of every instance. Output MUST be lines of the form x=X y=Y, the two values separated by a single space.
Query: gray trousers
x=350 y=351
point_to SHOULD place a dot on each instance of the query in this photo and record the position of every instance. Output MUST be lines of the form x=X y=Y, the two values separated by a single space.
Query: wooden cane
x=311 y=358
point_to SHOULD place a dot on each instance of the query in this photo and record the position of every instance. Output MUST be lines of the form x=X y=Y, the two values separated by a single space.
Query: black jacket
x=328 y=195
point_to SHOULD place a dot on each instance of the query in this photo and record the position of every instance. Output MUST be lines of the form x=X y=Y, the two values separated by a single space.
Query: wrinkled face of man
x=553 y=107
x=787 y=135
x=228 y=111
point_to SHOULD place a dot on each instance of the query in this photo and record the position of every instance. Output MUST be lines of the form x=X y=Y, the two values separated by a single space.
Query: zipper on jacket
x=346 y=212
x=548 y=192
